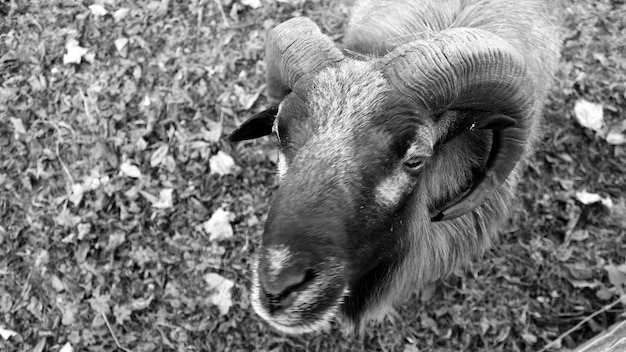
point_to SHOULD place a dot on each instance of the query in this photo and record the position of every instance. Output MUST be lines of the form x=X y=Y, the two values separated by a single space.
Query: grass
x=92 y=253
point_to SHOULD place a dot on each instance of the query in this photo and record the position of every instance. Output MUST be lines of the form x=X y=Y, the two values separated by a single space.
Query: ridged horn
x=469 y=69
x=296 y=48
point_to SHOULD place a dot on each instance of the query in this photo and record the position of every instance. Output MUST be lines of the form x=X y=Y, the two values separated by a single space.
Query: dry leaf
x=18 y=125
x=120 y=14
x=589 y=115
x=410 y=348
x=100 y=303
x=585 y=284
x=7 y=334
x=120 y=44
x=165 y=199
x=57 y=284
x=617 y=275
x=221 y=288
x=590 y=198
x=66 y=219
x=132 y=193
x=97 y=10
x=74 y=52
x=69 y=311
x=255 y=4
x=615 y=138
x=214 y=133
x=121 y=313
x=116 y=239
x=222 y=164
x=218 y=227
x=130 y=170
x=159 y=155
x=77 y=194
x=141 y=303
x=83 y=230
x=67 y=348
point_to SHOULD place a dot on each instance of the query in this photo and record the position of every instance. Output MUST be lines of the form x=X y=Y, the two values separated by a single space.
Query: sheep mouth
x=308 y=310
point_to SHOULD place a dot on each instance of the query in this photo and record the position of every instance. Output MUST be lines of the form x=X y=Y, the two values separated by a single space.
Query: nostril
x=283 y=292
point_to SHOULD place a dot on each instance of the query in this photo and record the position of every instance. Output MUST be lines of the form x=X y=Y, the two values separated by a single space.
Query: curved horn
x=470 y=69
x=296 y=48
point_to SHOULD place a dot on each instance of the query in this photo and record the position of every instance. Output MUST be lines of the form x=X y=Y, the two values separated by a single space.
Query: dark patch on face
x=372 y=284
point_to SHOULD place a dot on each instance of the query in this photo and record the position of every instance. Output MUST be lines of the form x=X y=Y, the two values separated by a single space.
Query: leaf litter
x=147 y=129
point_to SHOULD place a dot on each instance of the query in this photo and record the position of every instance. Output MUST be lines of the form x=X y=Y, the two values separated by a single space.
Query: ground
x=112 y=135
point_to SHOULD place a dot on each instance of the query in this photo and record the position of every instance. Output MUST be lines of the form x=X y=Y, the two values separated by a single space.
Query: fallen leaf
x=66 y=219
x=222 y=164
x=580 y=235
x=589 y=115
x=159 y=155
x=246 y=100
x=100 y=303
x=67 y=348
x=410 y=348
x=584 y=284
x=40 y=345
x=77 y=194
x=141 y=303
x=120 y=14
x=121 y=313
x=214 y=133
x=120 y=44
x=580 y=271
x=529 y=338
x=57 y=284
x=221 y=287
x=116 y=239
x=590 y=198
x=617 y=275
x=165 y=199
x=83 y=230
x=604 y=293
x=615 y=138
x=6 y=334
x=218 y=227
x=130 y=170
x=69 y=311
x=97 y=10
x=18 y=125
x=74 y=52
x=255 y=4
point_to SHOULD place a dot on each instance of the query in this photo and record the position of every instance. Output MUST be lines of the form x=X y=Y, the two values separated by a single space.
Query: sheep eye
x=414 y=164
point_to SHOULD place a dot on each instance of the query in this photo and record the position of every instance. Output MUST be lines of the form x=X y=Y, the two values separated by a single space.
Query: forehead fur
x=345 y=96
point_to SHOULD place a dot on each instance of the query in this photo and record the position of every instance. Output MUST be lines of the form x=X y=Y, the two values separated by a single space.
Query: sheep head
x=362 y=145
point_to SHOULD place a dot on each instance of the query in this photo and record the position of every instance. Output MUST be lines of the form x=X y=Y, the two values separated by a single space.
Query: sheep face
x=351 y=156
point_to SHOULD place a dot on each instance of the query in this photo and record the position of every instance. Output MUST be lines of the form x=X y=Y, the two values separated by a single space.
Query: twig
x=581 y=323
x=219 y=7
x=113 y=334
x=82 y=95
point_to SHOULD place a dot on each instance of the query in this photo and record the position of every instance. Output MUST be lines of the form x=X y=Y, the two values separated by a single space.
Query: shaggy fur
x=350 y=229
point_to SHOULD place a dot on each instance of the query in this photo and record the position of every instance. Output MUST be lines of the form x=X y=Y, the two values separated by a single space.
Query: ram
x=400 y=152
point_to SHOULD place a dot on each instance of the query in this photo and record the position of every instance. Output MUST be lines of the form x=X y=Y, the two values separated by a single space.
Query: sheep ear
x=257 y=126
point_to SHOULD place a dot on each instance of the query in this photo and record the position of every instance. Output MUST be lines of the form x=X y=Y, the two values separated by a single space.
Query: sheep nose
x=283 y=281
x=284 y=284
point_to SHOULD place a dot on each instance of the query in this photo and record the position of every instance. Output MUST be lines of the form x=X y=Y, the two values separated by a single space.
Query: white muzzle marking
x=295 y=318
